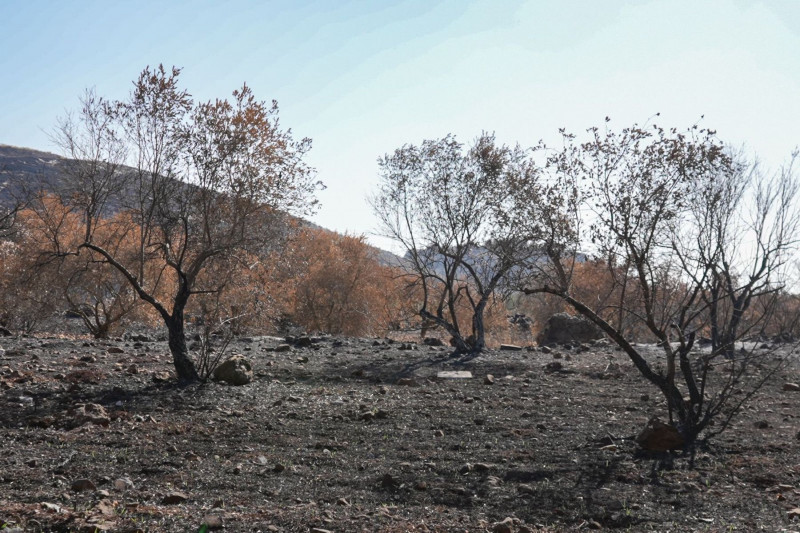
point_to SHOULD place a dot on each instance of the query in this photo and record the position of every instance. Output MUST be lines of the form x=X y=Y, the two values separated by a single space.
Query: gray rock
x=50 y=507
x=122 y=484
x=510 y=348
x=562 y=328
x=302 y=342
x=454 y=374
x=237 y=370
x=174 y=498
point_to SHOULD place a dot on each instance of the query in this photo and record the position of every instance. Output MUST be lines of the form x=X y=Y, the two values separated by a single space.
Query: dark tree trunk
x=478 y=328
x=102 y=331
x=184 y=366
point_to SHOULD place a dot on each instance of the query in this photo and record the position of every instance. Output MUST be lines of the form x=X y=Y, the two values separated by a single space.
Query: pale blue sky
x=363 y=78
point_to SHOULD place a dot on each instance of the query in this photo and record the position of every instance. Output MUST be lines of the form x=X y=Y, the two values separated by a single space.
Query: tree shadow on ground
x=49 y=407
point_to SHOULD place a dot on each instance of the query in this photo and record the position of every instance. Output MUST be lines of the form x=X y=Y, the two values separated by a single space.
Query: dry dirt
x=361 y=435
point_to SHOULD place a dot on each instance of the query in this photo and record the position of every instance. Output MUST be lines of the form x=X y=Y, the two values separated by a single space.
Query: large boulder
x=562 y=328
x=87 y=413
x=236 y=370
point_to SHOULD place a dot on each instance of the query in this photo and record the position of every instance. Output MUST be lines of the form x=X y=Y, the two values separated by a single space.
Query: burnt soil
x=361 y=435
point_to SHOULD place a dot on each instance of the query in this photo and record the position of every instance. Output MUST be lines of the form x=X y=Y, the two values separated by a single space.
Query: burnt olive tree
x=697 y=235
x=447 y=206
x=202 y=182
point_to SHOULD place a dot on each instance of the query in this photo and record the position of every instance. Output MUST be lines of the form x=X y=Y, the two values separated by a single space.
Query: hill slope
x=44 y=170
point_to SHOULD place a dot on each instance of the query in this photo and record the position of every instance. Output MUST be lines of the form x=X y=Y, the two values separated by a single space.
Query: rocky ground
x=365 y=435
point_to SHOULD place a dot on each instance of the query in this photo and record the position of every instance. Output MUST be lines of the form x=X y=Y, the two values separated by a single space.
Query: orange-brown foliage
x=51 y=267
x=338 y=286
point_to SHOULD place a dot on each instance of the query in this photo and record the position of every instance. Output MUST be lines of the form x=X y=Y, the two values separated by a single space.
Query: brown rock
x=407 y=382
x=554 y=366
x=174 y=498
x=237 y=370
x=161 y=377
x=82 y=485
x=96 y=526
x=105 y=508
x=115 y=349
x=389 y=481
x=88 y=413
x=42 y=422
x=506 y=526
x=122 y=484
x=213 y=521
x=488 y=380
x=481 y=468
x=525 y=488
x=791 y=387
x=660 y=437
